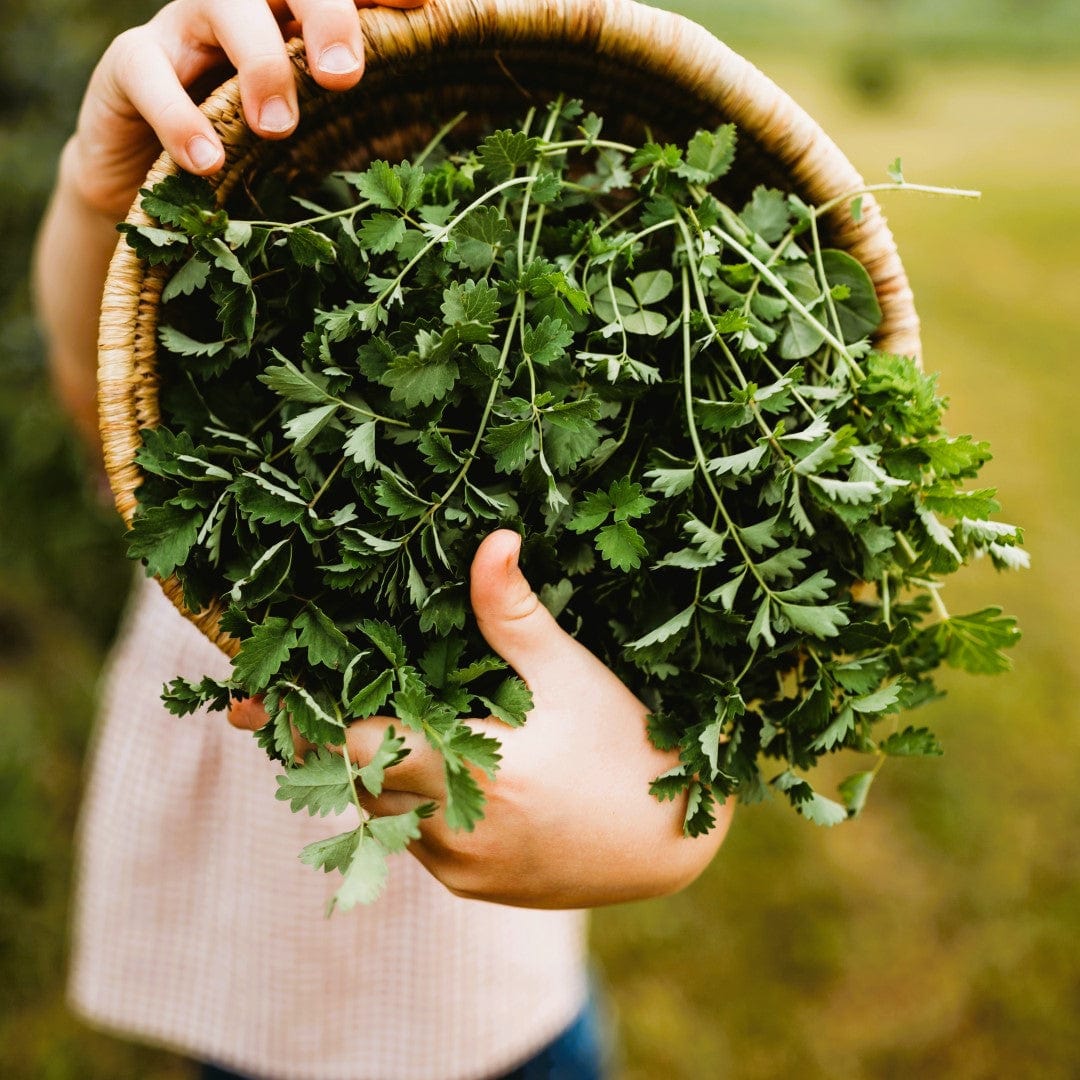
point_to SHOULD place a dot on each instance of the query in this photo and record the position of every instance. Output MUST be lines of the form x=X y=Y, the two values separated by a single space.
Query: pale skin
x=563 y=828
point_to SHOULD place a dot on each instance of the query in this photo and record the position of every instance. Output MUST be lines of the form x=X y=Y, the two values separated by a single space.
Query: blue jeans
x=576 y=1054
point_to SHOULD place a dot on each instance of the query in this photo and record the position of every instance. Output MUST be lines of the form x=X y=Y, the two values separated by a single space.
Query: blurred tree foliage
x=62 y=579
x=57 y=543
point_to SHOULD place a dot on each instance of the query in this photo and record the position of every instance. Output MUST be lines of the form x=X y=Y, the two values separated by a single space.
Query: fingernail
x=203 y=153
x=338 y=59
x=275 y=115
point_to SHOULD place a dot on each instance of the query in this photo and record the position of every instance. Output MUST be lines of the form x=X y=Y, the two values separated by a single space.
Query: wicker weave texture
x=640 y=67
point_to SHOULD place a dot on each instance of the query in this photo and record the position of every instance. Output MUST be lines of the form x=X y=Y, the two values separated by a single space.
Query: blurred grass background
x=937 y=936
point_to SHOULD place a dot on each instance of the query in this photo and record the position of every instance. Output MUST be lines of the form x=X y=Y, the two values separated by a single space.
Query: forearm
x=74 y=245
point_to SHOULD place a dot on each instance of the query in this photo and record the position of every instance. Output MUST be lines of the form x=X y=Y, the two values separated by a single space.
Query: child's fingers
x=332 y=40
x=139 y=76
x=249 y=35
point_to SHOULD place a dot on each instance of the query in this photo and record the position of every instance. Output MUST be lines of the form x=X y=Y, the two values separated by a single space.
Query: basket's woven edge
x=127 y=386
x=667 y=45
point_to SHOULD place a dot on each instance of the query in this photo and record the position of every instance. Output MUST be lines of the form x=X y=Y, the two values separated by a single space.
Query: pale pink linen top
x=197 y=927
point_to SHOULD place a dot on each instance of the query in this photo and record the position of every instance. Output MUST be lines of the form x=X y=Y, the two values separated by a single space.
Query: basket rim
x=661 y=44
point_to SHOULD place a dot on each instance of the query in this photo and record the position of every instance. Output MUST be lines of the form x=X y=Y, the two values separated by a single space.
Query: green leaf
x=628 y=500
x=673 y=626
x=671 y=482
x=860 y=312
x=368 y=701
x=943 y=499
x=295 y=384
x=438 y=451
x=314 y=722
x=652 y=286
x=669 y=785
x=464 y=800
x=621 y=545
x=386 y=639
x=163 y=536
x=835 y=734
x=819 y=620
x=381 y=185
x=699 y=818
x=974 y=642
x=479 y=238
x=591 y=512
x=321 y=785
x=182 y=697
x=390 y=752
x=188 y=279
x=470 y=301
x=444 y=610
x=182 y=345
x=510 y=444
x=884 y=700
x=911 y=742
x=706 y=539
x=959 y=457
x=511 y=702
x=382 y=232
x=415 y=381
x=324 y=642
x=476 y=748
x=310 y=248
x=822 y=811
x=366 y=877
x=799 y=338
x=765 y=535
x=301 y=430
x=546 y=342
x=503 y=152
x=738 y=464
x=854 y=789
x=767 y=213
x=851 y=492
x=334 y=853
x=262 y=655
x=394 y=833
x=709 y=155
x=360 y=445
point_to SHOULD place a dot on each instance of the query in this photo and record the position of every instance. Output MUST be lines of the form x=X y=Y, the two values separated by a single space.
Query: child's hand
x=569 y=820
x=138 y=99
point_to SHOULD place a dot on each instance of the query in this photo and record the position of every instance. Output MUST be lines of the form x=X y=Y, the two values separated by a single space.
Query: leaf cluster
x=724 y=491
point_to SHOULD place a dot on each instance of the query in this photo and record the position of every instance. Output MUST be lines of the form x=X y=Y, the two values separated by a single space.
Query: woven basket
x=639 y=67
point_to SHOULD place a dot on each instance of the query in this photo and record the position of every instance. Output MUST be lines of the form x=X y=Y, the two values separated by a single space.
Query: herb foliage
x=724 y=491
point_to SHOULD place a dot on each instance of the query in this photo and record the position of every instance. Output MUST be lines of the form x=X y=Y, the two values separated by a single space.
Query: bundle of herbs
x=724 y=491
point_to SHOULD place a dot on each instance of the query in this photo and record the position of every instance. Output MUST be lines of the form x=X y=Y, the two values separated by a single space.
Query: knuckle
x=128 y=47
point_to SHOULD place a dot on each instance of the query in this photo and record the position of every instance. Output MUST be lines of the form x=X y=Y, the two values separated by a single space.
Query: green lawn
x=934 y=938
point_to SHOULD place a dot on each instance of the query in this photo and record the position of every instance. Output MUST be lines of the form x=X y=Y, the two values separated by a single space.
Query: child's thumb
x=510 y=615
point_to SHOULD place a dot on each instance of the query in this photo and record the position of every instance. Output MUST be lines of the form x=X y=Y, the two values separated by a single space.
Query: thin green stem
x=870 y=189
x=437 y=138
x=584 y=144
x=327 y=482
x=695 y=438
